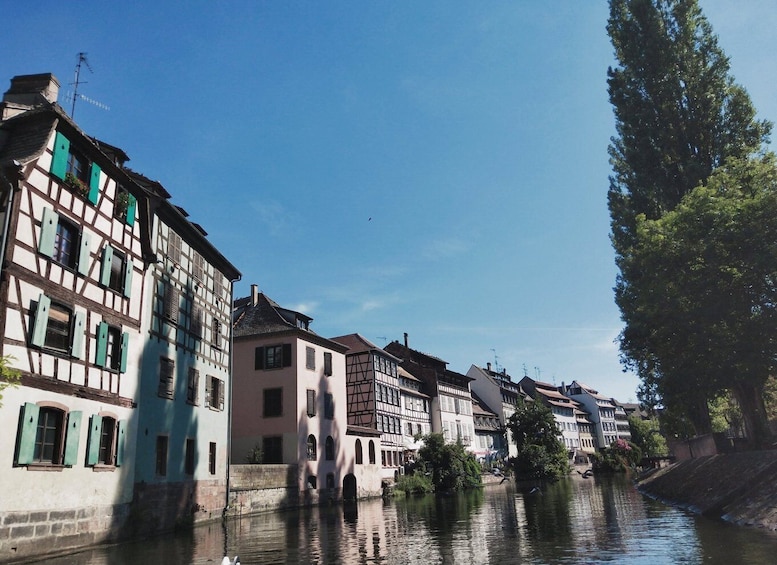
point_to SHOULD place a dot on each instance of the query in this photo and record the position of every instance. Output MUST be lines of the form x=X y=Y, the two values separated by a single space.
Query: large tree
x=541 y=454
x=710 y=288
x=679 y=115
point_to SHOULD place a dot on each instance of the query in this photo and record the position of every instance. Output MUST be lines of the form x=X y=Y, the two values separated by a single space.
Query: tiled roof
x=23 y=138
x=258 y=319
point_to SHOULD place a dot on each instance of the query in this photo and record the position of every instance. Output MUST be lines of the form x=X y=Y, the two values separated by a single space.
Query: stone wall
x=262 y=488
x=41 y=532
x=737 y=487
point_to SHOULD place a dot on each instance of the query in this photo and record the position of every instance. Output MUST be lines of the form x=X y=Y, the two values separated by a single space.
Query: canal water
x=598 y=520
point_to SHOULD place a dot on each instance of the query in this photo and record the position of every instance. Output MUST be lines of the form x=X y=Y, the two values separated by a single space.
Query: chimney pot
x=488 y=366
x=406 y=346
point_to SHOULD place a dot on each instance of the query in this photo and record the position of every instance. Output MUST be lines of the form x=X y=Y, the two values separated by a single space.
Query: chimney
x=254 y=294
x=406 y=347
x=27 y=92
x=488 y=366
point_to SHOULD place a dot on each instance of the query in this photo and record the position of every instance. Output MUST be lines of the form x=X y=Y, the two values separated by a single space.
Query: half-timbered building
x=374 y=397
x=183 y=409
x=416 y=413
x=103 y=439
x=71 y=305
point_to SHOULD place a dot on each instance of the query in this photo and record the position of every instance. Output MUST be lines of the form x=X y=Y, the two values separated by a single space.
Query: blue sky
x=436 y=168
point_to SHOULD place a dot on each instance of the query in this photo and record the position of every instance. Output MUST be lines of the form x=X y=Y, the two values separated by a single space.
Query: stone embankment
x=737 y=487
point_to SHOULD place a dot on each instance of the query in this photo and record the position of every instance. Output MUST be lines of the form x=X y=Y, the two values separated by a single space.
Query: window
x=409 y=428
x=112 y=347
x=171 y=303
x=198 y=266
x=190 y=456
x=273 y=402
x=216 y=332
x=55 y=321
x=372 y=452
x=161 y=455
x=327 y=363
x=310 y=358
x=71 y=166
x=212 y=458
x=174 y=247
x=195 y=323
x=44 y=438
x=124 y=206
x=272 y=449
x=311 y=402
x=192 y=386
x=329 y=406
x=166 y=378
x=312 y=455
x=218 y=286
x=116 y=272
x=105 y=444
x=329 y=448
x=312 y=481
x=358 y=452
x=330 y=480
x=272 y=357
x=60 y=240
x=214 y=393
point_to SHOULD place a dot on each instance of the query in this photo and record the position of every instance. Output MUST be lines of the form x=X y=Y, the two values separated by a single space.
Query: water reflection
x=574 y=521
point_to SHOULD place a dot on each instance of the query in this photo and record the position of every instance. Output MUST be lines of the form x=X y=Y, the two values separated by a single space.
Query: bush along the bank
x=416 y=483
x=449 y=465
x=619 y=457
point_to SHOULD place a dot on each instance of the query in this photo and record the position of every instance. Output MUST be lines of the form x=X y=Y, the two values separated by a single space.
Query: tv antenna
x=384 y=338
x=82 y=60
x=496 y=361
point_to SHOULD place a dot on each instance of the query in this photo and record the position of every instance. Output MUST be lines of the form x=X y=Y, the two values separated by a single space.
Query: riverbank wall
x=739 y=487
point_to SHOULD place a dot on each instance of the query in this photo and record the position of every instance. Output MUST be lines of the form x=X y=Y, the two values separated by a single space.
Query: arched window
x=358 y=452
x=330 y=480
x=330 y=449
x=312 y=456
x=372 y=452
x=312 y=481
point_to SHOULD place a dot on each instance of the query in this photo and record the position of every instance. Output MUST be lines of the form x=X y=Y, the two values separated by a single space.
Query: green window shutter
x=61 y=153
x=105 y=270
x=41 y=321
x=93 y=442
x=128 y=266
x=259 y=358
x=122 y=424
x=102 y=344
x=84 y=253
x=124 y=349
x=132 y=205
x=48 y=232
x=72 y=435
x=27 y=432
x=94 y=183
x=79 y=334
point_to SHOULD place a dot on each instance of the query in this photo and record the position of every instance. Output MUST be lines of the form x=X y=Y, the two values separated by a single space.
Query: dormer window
x=302 y=324
x=74 y=169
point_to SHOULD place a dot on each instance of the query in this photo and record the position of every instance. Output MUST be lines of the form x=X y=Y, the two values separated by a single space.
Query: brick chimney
x=27 y=92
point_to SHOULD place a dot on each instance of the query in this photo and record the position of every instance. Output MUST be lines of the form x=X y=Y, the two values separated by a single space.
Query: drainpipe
x=231 y=382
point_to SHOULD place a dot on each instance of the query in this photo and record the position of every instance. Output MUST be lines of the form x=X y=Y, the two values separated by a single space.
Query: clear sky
x=437 y=168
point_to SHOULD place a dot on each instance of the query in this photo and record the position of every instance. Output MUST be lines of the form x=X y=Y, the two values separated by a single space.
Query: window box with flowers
x=78 y=186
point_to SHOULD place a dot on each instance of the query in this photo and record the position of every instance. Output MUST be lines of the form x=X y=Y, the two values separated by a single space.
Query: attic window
x=74 y=169
x=302 y=324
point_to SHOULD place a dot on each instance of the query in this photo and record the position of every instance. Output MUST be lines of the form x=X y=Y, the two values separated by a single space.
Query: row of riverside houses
x=146 y=388
x=115 y=309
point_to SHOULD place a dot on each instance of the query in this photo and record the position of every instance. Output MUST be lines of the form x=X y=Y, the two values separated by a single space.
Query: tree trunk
x=751 y=402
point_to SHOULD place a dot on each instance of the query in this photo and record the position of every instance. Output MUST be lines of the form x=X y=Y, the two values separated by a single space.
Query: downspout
x=231 y=382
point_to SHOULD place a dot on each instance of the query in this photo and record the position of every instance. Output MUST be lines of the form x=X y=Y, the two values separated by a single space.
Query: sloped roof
x=357 y=343
x=23 y=138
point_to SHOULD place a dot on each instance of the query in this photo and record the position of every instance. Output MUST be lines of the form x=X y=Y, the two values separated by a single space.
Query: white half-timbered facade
x=71 y=304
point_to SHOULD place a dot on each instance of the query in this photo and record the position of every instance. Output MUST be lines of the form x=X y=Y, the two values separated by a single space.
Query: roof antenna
x=82 y=60
x=384 y=338
x=496 y=361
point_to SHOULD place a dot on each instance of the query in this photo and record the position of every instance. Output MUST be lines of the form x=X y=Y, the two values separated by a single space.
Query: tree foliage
x=709 y=289
x=646 y=435
x=541 y=454
x=450 y=466
x=620 y=456
x=679 y=117
x=8 y=375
